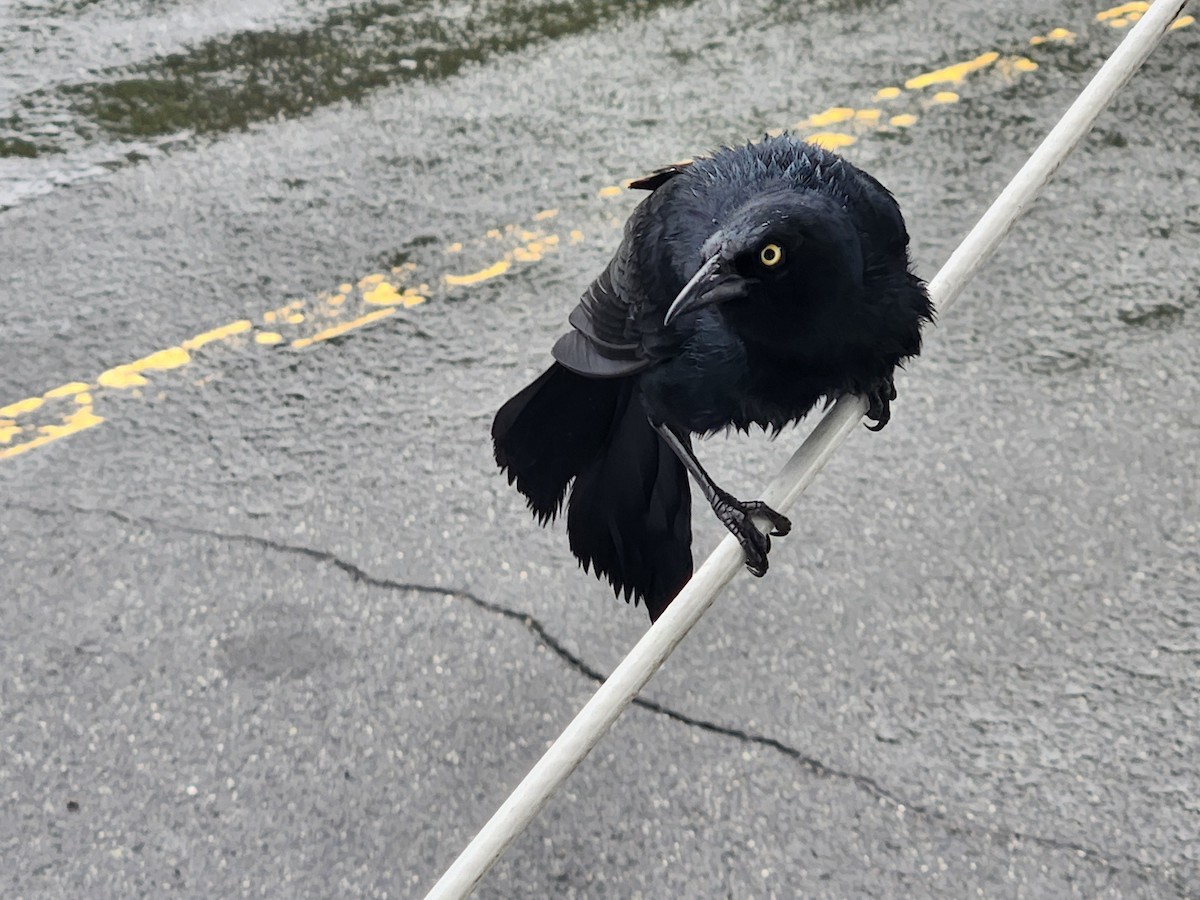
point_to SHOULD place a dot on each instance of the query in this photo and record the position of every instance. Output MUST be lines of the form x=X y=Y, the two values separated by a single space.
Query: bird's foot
x=880 y=398
x=738 y=517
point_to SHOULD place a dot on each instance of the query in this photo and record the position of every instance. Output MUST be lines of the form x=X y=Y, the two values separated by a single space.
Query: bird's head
x=784 y=249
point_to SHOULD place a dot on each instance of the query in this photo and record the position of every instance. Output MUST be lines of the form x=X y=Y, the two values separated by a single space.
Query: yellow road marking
x=341 y=329
x=497 y=268
x=536 y=245
x=130 y=374
x=20 y=407
x=217 y=334
x=1123 y=10
x=1054 y=34
x=830 y=140
x=952 y=74
x=66 y=390
x=1127 y=13
x=831 y=116
x=78 y=421
x=383 y=294
x=72 y=403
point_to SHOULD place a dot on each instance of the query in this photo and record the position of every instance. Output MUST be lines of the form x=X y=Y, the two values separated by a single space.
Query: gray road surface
x=274 y=626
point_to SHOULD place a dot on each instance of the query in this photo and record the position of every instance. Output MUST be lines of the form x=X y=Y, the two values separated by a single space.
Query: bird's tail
x=629 y=516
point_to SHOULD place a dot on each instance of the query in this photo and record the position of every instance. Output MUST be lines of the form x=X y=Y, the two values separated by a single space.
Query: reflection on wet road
x=231 y=71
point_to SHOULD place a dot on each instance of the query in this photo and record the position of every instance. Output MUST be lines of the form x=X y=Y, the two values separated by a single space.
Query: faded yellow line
x=217 y=334
x=80 y=420
x=536 y=245
x=67 y=390
x=68 y=409
x=1054 y=34
x=952 y=74
x=831 y=140
x=495 y=269
x=1123 y=10
x=130 y=374
x=1127 y=13
x=831 y=116
x=386 y=294
x=341 y=329
x=21 y=406
x=34 y=422
x=855 y=123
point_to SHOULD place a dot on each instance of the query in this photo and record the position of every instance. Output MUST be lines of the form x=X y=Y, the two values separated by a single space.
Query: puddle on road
x=218 y=84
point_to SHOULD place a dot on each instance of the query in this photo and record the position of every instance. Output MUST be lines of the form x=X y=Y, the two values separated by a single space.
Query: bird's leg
x=736 y=515
x=880 y=398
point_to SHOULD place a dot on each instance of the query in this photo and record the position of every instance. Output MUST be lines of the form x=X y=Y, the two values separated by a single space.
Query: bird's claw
x=780 y=524
x=738 y=517
x=880 y=399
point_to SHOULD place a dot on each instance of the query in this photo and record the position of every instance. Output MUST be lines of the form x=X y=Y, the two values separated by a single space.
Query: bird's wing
x=608 y=337
x=880 y=216
x=599 y=343
x=659 y=177
x=605 y=341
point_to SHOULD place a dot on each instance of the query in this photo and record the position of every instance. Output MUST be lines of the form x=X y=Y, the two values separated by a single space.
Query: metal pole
x=648 y=655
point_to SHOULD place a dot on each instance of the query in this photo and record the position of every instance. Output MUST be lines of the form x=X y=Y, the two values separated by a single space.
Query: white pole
x=648 y=655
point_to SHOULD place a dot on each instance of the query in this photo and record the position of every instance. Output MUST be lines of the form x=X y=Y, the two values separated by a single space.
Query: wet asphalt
x=274 y=626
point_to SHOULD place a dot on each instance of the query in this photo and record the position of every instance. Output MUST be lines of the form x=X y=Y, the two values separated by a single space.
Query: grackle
x=749 y=285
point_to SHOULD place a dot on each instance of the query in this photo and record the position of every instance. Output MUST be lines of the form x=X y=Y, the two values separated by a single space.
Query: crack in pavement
x=1095 y=857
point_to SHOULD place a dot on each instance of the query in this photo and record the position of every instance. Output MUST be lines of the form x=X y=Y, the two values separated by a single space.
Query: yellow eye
x=770 y=255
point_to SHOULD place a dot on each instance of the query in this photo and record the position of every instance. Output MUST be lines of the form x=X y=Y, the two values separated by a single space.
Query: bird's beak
x=709 y=285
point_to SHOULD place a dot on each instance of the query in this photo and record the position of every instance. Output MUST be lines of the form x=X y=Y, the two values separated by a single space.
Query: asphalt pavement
x=274 y=625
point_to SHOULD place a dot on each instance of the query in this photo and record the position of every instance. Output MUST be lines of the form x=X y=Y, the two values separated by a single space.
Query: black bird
x=748 y=286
